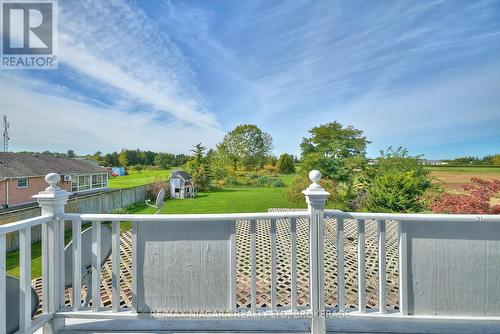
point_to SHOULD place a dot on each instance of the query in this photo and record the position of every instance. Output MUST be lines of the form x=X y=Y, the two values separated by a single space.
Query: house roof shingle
x=26 y=164
x=180 y=173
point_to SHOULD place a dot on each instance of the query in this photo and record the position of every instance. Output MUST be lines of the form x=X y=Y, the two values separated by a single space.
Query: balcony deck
x=283 y=265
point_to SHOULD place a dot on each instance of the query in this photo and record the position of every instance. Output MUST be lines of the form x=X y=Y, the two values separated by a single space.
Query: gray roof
x=180 y=173
x=26 y=164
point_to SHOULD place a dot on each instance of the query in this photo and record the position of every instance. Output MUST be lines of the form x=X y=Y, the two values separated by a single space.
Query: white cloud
x=116 y=46
x=458 y=108
x=42 y=121
x=121 y=83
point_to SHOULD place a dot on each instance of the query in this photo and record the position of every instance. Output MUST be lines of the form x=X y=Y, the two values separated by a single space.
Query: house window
x=22 y=183
x=84 y=182
x=74 y=183
x=177 y=190
x=88 y=182
x=97 y=181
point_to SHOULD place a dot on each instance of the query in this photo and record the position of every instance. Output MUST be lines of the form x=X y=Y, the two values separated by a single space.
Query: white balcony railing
x=436 y=281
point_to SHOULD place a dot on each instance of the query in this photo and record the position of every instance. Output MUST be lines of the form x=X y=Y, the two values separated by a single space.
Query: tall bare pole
x=5 y=134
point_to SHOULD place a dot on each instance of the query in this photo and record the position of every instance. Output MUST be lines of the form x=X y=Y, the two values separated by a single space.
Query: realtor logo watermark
x=29 y=31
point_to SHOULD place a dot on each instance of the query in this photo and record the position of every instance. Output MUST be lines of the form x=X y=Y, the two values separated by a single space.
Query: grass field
x=136 y=178
x=452 y=178
x=228 y=200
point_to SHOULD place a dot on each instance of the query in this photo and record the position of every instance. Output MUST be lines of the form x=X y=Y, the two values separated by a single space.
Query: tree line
x=489 y=160
x=129 y=158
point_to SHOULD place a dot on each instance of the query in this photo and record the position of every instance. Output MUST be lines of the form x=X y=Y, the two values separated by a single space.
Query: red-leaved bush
x=476 y=199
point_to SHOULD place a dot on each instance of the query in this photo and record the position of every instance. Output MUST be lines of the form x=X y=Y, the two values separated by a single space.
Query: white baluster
x=382 y=291
x=96 y=265
x=293 y=261
x=115 y=259
x=77 y=264
x=403 y=269
x=25 y=284
x=253 y=259
x=361 y=267
x=340 y=265
x=273 y=266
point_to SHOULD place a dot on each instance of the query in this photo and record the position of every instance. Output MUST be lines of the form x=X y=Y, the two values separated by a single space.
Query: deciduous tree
x=249 y=146
x=338 y=152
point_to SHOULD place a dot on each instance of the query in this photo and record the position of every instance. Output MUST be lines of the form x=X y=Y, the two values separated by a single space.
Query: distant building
x=433 y=162
x=22 y=176
x=118 y=171
x=181 y=185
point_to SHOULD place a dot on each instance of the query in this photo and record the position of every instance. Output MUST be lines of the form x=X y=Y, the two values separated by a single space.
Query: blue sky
x=164 y=75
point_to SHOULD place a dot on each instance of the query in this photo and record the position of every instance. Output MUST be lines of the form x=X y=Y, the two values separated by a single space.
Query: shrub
x=270 y=168
x=201 y=177
x=154 y=188
x=397 y=183
x=397 y=192
x=245 y=181
x=231 y=181
x=285 y=164
x=262 y=181
x=277 y=183
x=300 y=183
x=476 y=199
x=137 y=167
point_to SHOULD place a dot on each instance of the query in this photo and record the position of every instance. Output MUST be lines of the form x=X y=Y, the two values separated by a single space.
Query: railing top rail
x=182 y=217
x=414 y=217
x=22 y=224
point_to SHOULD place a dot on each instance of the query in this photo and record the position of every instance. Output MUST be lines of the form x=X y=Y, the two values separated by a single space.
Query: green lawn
x=228 y=200
x=136 y=178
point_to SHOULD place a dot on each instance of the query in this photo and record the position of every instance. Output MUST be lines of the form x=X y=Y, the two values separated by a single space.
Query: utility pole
x=5 y=134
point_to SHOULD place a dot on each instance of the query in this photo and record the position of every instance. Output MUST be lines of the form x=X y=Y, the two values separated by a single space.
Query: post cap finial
x=315 y=175
x=53 y=179
x=315 y=194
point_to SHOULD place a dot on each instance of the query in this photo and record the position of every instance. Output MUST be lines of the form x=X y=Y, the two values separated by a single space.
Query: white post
x=52 y=201
x=316 y=198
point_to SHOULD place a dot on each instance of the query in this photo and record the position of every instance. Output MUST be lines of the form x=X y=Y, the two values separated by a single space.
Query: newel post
x=52 y=201
x=316 y=197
